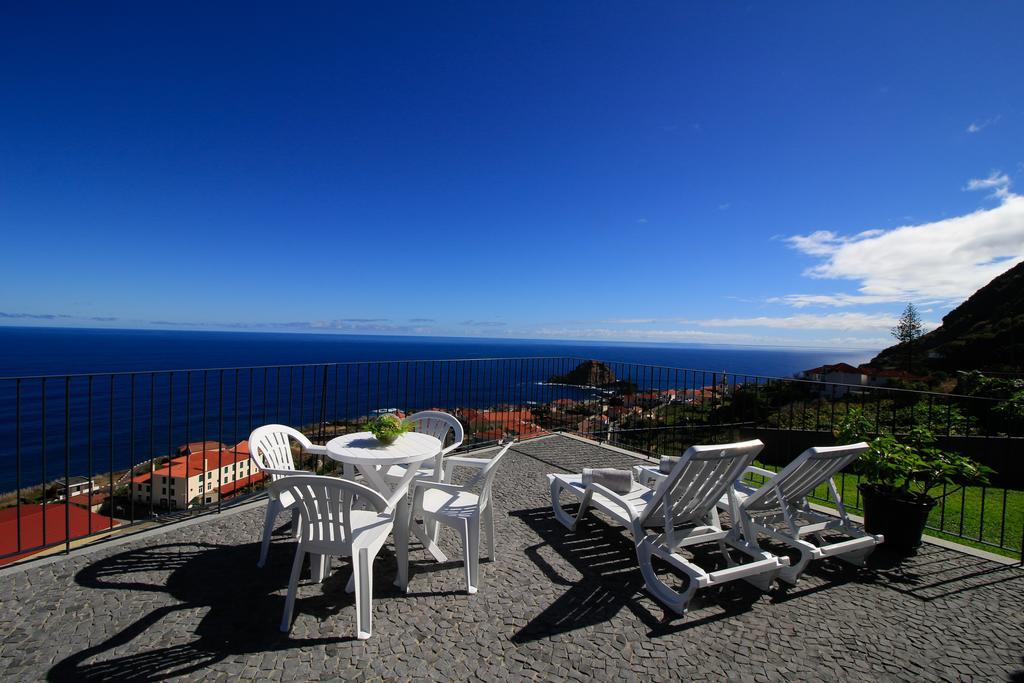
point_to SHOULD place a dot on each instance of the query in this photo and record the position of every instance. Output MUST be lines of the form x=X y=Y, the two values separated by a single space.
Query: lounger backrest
x=270 y=449
x=697 y=482
x=811 y=469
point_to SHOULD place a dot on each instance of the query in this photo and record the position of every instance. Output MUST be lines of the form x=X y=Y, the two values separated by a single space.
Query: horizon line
x=344 y=333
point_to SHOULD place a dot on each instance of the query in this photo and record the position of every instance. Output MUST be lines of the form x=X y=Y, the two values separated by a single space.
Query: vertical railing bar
x=131 y=446
x=204 y=485
x=188 y=435
x=17 y=455
x=67 y=465
x=220 y=440
x=42 y=450
x=88 y=451
x=110 y=465
x=170 y=442
x=152 y=441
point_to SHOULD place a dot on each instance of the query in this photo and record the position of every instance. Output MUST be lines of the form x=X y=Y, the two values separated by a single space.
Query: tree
x=908 y=330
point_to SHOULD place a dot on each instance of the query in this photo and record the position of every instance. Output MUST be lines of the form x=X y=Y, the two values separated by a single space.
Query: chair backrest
x=811 y=469
x=698 y=481
x=269 y=448
x=438 y=424
x=325 y=511
x=485 y=477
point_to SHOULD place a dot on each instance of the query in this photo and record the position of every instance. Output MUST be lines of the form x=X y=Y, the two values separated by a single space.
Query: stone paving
x=191 y=603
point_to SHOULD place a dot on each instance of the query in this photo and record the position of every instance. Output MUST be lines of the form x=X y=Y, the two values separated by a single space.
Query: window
x=163 y=491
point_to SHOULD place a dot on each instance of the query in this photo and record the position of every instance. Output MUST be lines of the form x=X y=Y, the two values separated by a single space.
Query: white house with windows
x=195 y=478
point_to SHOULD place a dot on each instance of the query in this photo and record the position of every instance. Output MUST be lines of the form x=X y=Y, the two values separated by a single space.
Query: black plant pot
x=899 y=519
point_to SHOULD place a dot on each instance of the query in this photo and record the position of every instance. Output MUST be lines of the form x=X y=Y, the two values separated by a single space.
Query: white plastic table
x=363 y=452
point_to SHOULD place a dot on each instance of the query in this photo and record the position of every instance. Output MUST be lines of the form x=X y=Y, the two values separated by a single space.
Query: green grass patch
x=981 y=517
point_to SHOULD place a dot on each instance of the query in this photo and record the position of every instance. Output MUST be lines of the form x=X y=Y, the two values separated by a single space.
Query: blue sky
x=703 y=172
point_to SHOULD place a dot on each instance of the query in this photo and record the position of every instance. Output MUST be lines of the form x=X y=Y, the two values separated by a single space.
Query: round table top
x=362 y=448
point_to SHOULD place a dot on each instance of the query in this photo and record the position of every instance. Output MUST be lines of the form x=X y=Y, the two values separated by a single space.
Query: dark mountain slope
x=986 y=332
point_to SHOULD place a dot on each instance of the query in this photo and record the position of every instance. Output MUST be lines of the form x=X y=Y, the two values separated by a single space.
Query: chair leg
x=293 y=582
x=473 y=554
x=362 y=574
x=318 y=566
x=273 y=508
x=489 y=522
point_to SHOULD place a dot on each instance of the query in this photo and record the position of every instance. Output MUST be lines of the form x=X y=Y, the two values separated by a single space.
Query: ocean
x=92 y=425
x=58 y=351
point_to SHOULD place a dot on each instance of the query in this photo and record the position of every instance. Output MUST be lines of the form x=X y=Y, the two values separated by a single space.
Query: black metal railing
x=86 y=455
x=673 y=408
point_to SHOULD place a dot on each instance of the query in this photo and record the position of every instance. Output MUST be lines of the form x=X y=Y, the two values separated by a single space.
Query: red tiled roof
x=84 y=500
x=231 y=487
x=200 y=446
x=194 y=463
x=82 y=521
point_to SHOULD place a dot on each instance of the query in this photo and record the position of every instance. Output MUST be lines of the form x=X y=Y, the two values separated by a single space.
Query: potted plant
x=386 y=428
x=899 y=480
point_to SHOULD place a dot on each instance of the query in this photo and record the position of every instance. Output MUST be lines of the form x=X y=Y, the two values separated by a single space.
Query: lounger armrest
x=634 y=517
x=760 y=471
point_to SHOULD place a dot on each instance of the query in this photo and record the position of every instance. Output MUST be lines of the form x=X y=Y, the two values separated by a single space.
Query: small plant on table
x=387 y=428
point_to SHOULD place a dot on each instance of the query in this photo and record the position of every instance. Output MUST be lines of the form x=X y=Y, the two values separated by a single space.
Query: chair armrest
x=467 y=461
x=453 y=461
x=427 y=484
x=318 y=450
x=270 y=472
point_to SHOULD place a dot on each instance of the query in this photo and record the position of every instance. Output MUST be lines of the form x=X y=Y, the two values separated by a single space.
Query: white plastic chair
x=436 y=424
x=461 y=509
x=778 y=508
x=683 y=507
x=329 y=527
x=270 y=452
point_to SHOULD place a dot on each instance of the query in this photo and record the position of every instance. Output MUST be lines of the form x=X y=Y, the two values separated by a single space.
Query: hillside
x=986 y=332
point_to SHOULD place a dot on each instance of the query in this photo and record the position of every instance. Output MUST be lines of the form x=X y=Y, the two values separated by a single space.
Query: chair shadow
x=242 y=610
x=611 y=581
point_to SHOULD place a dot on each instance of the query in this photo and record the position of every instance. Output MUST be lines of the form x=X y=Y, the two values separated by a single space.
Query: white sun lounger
x=775 y=508
x=679 y=513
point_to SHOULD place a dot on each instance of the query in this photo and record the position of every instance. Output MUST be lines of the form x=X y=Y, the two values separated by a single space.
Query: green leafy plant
x=910 y=469
x=387 y=428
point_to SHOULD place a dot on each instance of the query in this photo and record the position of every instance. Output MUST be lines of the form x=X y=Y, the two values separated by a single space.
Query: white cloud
x=940 y=262
x=629 y=321
x=647 y=335
x=846 y=322
x=998 y=182
x=978 y=126
x=850 y=341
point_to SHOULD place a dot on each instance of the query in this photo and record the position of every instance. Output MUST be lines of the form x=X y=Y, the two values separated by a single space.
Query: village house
x=196 y=477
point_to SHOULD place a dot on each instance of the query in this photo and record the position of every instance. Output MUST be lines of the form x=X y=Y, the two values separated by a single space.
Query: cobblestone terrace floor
x=190 y=602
